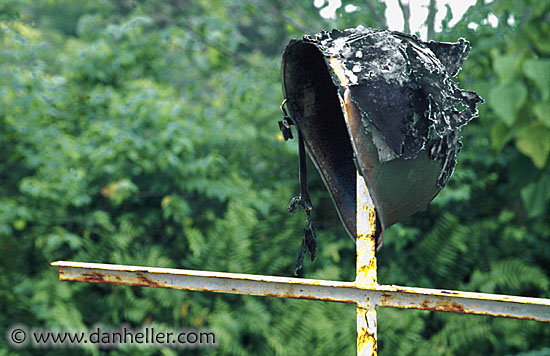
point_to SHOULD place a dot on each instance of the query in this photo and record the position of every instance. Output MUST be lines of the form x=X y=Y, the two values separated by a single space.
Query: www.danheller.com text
x=19 y=336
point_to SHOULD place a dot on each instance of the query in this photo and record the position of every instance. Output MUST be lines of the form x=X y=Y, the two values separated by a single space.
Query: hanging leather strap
x=309 y=237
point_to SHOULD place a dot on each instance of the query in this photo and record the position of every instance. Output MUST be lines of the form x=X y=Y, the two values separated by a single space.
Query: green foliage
x=511 y=69
x=144 y=133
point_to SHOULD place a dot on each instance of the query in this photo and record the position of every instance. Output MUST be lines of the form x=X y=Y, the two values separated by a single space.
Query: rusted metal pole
x=367 y=342
x=301 y=288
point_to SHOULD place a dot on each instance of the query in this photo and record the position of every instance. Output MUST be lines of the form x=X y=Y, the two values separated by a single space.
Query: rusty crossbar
x=299 y=288
x=364 y=291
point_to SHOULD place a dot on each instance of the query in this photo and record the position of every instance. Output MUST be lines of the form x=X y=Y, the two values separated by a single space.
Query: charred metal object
x=381 y=103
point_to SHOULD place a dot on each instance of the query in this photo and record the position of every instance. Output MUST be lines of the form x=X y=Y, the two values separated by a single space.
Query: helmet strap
x=309 y=237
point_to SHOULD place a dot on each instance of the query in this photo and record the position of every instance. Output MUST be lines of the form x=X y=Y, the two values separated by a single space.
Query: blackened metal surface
x=313 y=105
x=403 y=113
x=403 y=87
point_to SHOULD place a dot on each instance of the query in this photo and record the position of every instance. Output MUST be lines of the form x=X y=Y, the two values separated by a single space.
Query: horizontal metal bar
x=284 y=287
x=207 y=281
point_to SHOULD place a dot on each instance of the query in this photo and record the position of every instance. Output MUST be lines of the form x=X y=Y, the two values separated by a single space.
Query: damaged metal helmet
x=381 y=103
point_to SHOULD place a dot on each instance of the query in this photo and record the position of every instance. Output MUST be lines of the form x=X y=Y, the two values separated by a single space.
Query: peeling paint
x=148 y=282
x=366 y=239
x=366 y=344
x=453 y=307
x=366 y=274
x=93 y=277
x=366 y=330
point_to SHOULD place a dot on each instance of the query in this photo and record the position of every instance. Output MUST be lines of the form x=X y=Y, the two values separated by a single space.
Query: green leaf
x=500 y=135
x=506 y=100
x=535 y=196
x=507 y=67
x=542 y=111
x=538 y=70
x=120 y=190
x=534 y=142
x=19 y=224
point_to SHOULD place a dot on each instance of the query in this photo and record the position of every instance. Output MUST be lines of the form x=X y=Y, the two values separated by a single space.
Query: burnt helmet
x=380 y=103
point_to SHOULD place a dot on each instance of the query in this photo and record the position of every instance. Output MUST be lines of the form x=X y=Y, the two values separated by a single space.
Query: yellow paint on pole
x=366 y=270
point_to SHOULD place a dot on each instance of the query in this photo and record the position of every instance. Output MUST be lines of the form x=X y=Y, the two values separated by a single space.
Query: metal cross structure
x=364 y=292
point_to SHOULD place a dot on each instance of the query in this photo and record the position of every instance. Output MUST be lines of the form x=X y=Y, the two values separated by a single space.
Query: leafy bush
x=145 y=134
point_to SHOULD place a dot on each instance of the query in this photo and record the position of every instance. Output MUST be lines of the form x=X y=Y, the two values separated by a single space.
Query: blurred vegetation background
x=145 y=133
